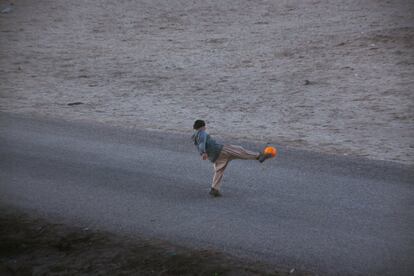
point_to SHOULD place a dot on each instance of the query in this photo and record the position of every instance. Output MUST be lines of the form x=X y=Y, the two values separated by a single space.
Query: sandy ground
x=330 y=76
x=32 y=246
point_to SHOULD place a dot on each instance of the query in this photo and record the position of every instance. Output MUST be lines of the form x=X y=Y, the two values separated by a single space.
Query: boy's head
x=199 y=124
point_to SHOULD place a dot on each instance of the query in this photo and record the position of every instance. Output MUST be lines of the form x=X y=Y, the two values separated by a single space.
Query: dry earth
x=330 y=76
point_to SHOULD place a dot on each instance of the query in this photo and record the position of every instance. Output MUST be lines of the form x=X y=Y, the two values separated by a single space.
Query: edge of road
x=287 y=156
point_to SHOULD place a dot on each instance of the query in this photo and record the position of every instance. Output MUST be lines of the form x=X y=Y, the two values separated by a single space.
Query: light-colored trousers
x=228 y=153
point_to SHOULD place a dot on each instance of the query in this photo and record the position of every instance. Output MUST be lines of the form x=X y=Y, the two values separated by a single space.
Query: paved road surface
x=332 y=215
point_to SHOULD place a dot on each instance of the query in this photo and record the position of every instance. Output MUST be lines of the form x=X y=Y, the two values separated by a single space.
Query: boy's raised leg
x=238 y=152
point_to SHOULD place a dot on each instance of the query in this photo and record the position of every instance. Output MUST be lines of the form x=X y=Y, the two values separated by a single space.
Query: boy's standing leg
x=219 y=167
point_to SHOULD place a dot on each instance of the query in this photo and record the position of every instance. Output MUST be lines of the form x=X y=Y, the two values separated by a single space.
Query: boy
x=219 y=154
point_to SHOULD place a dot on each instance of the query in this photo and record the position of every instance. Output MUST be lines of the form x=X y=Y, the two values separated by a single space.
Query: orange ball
x=271 y=150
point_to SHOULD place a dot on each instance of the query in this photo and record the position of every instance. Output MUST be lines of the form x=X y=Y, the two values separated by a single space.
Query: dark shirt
x=205 y=144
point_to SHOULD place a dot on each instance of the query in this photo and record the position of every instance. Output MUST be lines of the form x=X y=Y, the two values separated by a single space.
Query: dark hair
x=199 y=124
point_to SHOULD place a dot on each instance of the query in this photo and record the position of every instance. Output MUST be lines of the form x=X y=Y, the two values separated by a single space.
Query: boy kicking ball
x=221 y=155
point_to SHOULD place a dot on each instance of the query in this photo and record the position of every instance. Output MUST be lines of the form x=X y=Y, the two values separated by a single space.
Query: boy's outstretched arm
x=202 y=145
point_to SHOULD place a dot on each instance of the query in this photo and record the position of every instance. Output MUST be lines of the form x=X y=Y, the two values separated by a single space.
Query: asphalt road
x=328 y=214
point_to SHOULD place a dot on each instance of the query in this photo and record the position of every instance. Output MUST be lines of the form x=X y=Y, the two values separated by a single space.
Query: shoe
x=264 y=156
x=214 y=192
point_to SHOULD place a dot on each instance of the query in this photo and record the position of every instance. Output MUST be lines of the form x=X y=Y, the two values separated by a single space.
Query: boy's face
x=201 y=128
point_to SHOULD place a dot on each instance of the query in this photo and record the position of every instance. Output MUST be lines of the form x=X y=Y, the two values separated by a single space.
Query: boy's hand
x=204 y=156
